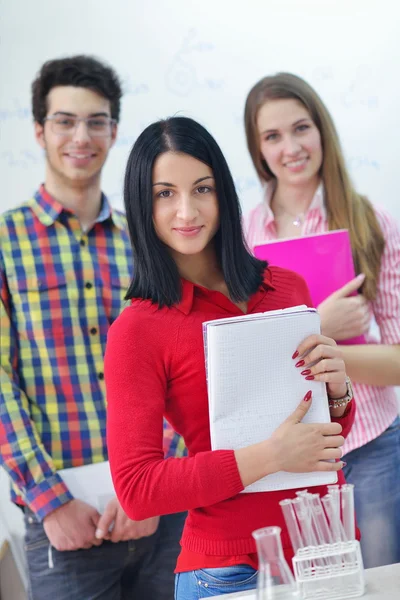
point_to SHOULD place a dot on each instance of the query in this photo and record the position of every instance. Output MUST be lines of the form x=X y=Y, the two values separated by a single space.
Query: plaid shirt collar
x=48 y=209
x=317 y=204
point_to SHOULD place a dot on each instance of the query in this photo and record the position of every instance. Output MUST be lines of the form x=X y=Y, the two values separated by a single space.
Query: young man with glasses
x=65 y=264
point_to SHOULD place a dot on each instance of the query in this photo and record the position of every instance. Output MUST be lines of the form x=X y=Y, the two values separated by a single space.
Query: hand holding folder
x=324 y=260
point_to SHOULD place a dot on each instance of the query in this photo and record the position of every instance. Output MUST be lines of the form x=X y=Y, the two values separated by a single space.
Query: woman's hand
x=294 y=446
x=304 y=447
x=320 y=359
x=344 y=316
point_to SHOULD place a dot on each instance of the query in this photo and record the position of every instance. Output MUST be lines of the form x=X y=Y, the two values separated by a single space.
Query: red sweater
x=154 y=367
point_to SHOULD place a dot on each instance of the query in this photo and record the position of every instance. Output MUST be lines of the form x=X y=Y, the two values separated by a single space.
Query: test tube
x=291 y=524
x=320 y=521
x=302 y=515
x=347 y=497
x=332 y=509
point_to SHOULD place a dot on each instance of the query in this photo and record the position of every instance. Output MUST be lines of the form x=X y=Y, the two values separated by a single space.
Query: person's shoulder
x=289 y=286
x=140 y=317
x=15 y=215
x=387 y=222
x=278 y=276
x=253 y=216
x=121 y=216
x=142 y=329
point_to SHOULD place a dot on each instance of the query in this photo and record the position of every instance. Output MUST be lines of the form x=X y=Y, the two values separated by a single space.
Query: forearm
x=345 y=417
x=147 y=485
x=255 y=462
x=23 y=456
x=373 y=364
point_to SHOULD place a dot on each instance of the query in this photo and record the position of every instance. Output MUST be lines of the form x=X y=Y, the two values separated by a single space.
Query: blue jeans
x=135 y=570
x=375 y=471
x=206 y=583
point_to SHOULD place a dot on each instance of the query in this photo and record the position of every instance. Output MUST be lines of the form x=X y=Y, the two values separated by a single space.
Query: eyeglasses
x=66 y=124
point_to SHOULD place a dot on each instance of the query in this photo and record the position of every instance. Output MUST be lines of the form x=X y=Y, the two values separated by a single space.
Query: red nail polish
x=310 y=377
x=344 y=463
x=306 y=372
x=301 y=363
x=307 y=397
x=295 y=355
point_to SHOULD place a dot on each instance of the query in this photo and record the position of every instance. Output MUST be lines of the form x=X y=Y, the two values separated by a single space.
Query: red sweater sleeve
x=302 y=296
x=136 y=365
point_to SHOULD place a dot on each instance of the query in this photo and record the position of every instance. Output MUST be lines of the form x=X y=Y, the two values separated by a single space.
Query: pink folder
x=324 y=260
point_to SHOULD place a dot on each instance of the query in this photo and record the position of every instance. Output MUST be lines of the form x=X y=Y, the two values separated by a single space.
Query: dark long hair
x=156 y=275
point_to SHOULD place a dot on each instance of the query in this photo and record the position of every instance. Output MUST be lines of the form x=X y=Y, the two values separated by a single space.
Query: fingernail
x=99 y=534
x=344 y=464
x=307 y=397
x=306 y=372
x=295 y=355
x=300 y=363
x=310 y=377
x=361 y=276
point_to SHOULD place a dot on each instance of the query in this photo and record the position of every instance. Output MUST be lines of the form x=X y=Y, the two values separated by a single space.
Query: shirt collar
x=317 y=203
x=48 y=209
x=189 y=290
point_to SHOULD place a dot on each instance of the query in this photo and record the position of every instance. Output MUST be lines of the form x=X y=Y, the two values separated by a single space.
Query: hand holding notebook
x=253 y=385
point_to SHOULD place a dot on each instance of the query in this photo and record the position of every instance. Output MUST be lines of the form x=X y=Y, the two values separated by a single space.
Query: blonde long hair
x=345 y=208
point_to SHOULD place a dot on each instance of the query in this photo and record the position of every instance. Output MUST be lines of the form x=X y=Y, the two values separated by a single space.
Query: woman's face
x=185 y=204
x=289 y=141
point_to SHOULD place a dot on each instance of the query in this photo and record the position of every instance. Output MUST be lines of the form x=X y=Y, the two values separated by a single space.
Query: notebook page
x=253 y=385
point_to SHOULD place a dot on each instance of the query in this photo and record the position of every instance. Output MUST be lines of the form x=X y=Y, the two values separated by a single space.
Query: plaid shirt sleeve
x=21 y=453
x=172 y=442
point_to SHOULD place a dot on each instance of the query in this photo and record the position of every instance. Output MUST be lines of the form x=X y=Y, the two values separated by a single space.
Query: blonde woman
x=296 y=152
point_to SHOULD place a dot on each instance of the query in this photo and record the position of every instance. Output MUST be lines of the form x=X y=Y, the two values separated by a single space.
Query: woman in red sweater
x=191 y=266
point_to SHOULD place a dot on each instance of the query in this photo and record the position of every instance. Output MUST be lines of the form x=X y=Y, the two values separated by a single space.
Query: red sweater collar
x=190 y=290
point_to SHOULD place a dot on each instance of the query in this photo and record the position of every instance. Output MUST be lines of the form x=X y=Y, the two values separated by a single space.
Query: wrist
x=57 y=510
x=338 y=413
x=341 y=402
x=337 y=392
x=270 y=455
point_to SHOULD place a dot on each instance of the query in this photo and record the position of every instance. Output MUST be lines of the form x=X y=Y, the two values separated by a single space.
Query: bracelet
x=341 y=402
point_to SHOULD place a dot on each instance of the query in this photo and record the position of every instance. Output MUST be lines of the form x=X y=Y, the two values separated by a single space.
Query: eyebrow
x=69 y=114
x=293 y=125
x=166 y=184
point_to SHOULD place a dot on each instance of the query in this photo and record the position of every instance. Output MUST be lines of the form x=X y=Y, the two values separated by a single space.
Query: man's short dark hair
x=79 y=71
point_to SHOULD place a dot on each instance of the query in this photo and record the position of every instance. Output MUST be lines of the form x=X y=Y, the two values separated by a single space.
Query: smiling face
x=76 y=158
x=185 y=204
x=289 y=142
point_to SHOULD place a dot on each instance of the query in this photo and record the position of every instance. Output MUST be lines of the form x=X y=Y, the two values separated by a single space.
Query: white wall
x=199 y=59
x=11 y=525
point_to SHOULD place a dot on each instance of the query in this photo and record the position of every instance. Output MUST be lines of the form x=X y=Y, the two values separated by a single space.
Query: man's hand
x=123 y=528
x=344 y=316
x=72 y=526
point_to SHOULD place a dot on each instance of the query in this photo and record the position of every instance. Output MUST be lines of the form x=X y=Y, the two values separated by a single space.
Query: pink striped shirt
x=376 y=406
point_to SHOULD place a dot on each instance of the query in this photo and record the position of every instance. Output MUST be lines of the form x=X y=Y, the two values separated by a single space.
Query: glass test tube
x=291 y=524
x=347 y=497
x=302 y=514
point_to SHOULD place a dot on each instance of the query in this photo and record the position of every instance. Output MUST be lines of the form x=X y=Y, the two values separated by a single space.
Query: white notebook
x=253 y=384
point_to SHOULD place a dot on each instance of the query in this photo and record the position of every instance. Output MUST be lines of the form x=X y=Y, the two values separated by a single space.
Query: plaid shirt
x=61 y=289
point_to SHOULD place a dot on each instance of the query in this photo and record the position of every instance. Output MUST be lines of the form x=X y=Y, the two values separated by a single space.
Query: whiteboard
x=199 y=58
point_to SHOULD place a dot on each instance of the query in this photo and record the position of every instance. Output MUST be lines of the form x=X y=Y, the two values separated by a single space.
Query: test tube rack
x=330 y=571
